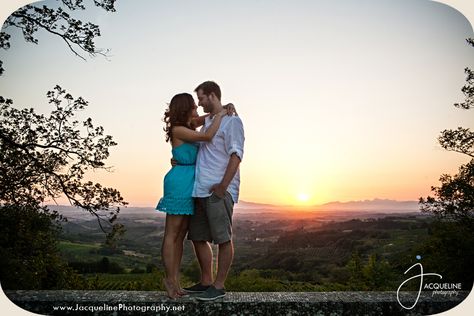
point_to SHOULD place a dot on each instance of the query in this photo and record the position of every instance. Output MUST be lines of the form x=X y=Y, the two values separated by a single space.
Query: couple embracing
x=201 y=188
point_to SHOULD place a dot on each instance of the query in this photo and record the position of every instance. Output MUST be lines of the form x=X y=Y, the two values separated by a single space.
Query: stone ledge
x=235 y=303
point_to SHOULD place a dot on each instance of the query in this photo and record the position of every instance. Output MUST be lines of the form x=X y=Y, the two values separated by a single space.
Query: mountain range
x=245 y=207
x=376 y=205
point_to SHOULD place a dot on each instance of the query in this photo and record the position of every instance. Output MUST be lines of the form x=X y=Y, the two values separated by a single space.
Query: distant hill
x=245 y=207
x=77 y=214
x=376 y=205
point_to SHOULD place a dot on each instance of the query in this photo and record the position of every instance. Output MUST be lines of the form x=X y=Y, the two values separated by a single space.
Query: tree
x=78 y=36
x=29 y=257
x=45 y=157
x=378 y=273
x=454 y=199
x=449 y=249
x=355 y=268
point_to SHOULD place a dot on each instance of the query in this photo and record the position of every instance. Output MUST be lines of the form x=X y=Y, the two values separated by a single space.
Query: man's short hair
x=209 y=87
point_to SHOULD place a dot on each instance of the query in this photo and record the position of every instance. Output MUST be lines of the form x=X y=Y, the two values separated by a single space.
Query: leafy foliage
x=376 y=274
x=46 y=157
x=77 y=35
x=29 y=257
x=449 y=249
x=460 y=140
x=454 y=199
x=449 y=252
x=101 y=266
x=468 y=88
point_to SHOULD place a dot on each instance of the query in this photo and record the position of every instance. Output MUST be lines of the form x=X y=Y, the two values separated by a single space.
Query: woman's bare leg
x=183 y=230
x=171 y=251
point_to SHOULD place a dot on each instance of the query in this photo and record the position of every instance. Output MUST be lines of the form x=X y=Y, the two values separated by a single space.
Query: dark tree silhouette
x=78 y=35
x=449 y=250
x=454 y=199
x=45 y=157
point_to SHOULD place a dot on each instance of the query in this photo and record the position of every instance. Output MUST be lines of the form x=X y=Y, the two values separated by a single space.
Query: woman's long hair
x=178 y=113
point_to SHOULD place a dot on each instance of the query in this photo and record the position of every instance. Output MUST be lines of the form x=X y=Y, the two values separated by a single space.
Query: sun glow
x=303 y=197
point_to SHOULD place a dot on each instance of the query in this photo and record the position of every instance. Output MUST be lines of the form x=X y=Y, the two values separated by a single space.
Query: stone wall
x=235 y=303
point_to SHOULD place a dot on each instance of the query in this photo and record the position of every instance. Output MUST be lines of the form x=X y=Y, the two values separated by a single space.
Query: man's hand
x=219 y=190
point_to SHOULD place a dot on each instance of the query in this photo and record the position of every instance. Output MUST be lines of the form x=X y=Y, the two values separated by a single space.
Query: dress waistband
x=185 y=164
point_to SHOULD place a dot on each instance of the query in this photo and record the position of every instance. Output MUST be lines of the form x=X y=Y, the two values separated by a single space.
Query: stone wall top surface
x=235 y=303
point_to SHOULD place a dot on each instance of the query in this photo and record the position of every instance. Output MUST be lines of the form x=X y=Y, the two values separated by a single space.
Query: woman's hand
x=223 y=113
x=230 y=109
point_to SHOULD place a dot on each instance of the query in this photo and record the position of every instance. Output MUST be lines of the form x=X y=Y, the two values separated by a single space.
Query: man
x=216 y=189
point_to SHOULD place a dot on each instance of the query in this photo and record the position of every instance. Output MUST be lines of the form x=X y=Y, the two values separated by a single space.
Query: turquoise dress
x=179 y=182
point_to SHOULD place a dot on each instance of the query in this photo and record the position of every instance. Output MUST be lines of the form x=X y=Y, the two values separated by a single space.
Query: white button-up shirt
x=213 y=156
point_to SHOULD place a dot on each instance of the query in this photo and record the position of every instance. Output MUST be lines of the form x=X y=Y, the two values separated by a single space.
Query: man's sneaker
x=211 y=294
x=196 y=288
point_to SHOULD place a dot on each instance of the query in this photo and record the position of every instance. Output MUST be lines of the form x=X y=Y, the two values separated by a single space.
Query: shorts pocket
x=214 y=198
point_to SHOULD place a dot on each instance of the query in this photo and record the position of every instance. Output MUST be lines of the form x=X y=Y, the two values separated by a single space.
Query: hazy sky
x=341 y=100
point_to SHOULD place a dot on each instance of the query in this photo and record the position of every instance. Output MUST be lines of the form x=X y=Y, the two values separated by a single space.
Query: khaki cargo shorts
x=212 y=219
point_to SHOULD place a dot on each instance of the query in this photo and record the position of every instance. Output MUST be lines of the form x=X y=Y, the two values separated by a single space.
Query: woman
x=180 y=118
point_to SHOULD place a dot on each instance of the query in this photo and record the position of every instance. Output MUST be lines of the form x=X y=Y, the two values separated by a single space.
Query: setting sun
x=303 y=197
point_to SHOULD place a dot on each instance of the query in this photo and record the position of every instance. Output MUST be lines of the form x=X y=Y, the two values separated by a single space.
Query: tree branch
x=64 y=37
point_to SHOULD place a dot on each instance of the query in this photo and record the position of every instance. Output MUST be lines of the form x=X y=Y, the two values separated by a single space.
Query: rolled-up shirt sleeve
x=234 y=137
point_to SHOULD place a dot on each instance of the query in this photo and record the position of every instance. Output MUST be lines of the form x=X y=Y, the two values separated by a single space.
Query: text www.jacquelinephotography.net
x=119 y=307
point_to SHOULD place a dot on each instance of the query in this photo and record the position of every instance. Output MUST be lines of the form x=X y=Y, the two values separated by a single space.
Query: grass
x=73 y=251
x=78 y=251
x=135 y=282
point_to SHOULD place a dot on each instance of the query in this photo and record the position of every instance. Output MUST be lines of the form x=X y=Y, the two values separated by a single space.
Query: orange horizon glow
x=325 y=120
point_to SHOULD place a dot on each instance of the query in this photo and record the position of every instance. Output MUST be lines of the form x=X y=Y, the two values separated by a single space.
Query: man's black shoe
x=196 y=288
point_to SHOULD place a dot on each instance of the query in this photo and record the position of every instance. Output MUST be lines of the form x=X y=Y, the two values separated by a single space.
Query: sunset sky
x=340 y=100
